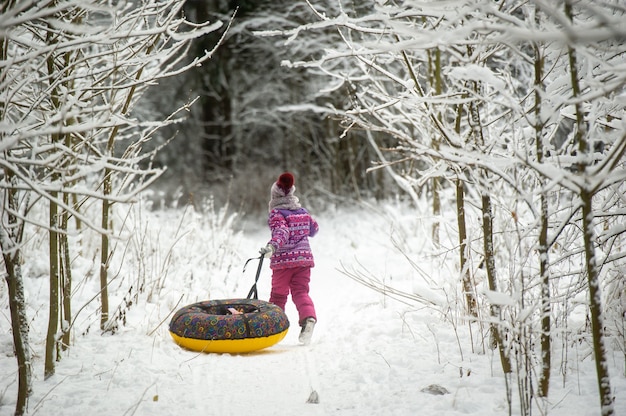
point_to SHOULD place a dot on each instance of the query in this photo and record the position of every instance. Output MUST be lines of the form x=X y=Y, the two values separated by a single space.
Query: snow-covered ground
x=370 y=354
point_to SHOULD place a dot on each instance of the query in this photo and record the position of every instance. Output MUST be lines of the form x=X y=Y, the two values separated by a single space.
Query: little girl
x=291 y=257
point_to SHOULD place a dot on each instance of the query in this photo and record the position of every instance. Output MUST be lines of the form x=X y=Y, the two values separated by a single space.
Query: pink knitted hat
x=282 y=193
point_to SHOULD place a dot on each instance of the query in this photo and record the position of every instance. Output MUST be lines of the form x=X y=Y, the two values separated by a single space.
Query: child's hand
x=267 y=251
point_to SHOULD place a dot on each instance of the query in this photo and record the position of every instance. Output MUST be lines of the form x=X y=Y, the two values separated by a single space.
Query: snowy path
x=369 y=355
x=364 y=358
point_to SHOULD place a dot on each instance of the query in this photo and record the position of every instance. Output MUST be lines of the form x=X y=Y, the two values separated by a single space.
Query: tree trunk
x=593 y=278
x=66 y=278
x=215 y=95
x=434 y=57
x=546 y=310
x=10 y=241
x=468 y=287
x=17 y=301
x=107 y=187
x=53 y=316
x=104 y=253
x=488 y=249
x=53 y=258
x=19 y=327
x=595 y=308
x=490 y=265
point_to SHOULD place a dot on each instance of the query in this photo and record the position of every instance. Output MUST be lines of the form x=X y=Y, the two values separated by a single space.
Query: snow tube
x=229 y=326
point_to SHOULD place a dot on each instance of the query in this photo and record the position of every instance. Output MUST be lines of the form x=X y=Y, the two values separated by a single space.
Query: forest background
x=510 y=114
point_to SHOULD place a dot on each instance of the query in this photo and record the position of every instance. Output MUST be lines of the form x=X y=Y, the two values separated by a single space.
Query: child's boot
x=307 y=331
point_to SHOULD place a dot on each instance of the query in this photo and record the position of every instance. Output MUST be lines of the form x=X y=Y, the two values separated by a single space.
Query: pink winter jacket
x=290 y=237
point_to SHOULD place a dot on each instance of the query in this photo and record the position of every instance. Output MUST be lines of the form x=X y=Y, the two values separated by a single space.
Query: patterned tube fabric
x=229 y=319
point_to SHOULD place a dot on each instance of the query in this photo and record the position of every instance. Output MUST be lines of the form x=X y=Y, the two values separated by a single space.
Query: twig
x=168 y=315
x=136 y=405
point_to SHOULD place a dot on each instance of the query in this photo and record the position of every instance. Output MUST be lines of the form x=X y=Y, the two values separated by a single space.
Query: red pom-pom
x=285 y=181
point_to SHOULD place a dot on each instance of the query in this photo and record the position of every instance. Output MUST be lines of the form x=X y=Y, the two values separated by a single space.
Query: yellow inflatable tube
x=231 y=346
x=233 y=326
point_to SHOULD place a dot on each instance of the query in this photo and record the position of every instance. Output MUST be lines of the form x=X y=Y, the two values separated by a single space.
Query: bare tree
x=544 y=259
x=587 y=190
x=538 y=83
x=70 y=75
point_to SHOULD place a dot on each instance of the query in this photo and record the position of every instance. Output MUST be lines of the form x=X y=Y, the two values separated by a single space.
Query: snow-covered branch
x=68 y=68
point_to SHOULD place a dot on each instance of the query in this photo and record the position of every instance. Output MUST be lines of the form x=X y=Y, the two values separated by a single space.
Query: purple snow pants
x=294 y=280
